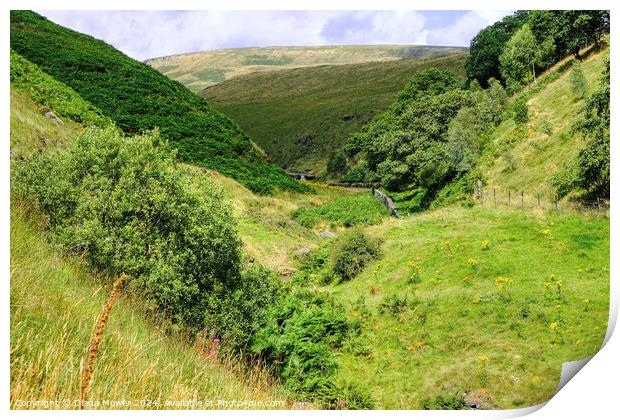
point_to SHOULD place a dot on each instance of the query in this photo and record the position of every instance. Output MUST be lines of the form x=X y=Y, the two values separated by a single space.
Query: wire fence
x=545 y=200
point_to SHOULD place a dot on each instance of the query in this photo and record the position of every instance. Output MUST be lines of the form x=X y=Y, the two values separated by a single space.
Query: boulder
x=53 y=117
x=327 y=234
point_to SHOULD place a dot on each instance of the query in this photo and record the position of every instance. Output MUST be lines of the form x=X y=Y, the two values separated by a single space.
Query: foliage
x=578 y=82
x=570 y=30
x=520 y=110
x=124 y=205
x=236 y=314
x=406 y=146
x=486 y=48
x=144 y=100
x=329 y=102
x=337 y=163
x=349 y=210
x=45 y=90
x=518 y=58
x=352 y=253
x=591 y=170
x=54 y=303
x=557 y=33
x=298 y=342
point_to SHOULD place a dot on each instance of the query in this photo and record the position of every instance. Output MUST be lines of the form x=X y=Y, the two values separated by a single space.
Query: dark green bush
x=236 y=313
x=337 y=163
x=125 y=206
x=352 y=253
x=298 y=341
x=520 y=111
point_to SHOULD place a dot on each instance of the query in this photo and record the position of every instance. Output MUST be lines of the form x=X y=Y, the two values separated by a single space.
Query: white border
x=592 y=393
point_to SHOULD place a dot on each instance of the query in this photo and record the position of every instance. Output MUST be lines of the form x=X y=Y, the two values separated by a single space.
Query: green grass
x=32 y=131
x=297 y=115
x=144 y=100
x=55 y=303
x=540 y=149
x=349 y=210
x=194 y=70
x=458 y=315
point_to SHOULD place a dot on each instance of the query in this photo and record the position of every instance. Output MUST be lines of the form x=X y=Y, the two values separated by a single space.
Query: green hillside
x=206 y=68
x=526 y=158
x=56 y=299
x=137 y=98
x=301 y=116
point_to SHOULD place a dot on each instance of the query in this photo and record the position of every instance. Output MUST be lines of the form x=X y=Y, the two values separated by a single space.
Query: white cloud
x=465 y=27
x=148 y=34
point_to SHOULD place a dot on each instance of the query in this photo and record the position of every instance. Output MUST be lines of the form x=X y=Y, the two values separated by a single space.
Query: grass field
x=206 y=68
x=300 y=116
x=459 y=327
x=55 y=303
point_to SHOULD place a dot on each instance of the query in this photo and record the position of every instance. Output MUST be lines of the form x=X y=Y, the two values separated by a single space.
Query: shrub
x=352 y=253
x=520 y=111
x=125 y=206
x=337 y=163
x=578 y=82
x=302 y=330
x=236 y=314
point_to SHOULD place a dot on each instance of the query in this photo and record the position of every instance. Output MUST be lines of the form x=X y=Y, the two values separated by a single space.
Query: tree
x=486 y=47
x=337 y=163
x=590 y=171
x=518 y=58
x=578 y=82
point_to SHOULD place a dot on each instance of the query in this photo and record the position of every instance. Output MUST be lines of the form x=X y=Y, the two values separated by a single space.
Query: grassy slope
x=435 y=348
x=539 y=156
x=206 y=68
x=137 y=98
x=296 y=115
x=55 y=302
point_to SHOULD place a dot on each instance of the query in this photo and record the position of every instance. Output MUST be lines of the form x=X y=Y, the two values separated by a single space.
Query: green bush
x=520 y=111
x=337 y=163
x=236 y=314
x=303 y=330
x=352 y=253
x=124 y=205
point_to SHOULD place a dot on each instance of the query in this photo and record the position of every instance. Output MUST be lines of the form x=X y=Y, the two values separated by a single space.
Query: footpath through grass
x=444 y=312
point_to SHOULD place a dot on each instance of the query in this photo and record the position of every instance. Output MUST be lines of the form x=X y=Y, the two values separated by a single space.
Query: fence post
x=494 y=201
x=521 y=199
x=598 y=204
x=508 y=198
x=538 y=197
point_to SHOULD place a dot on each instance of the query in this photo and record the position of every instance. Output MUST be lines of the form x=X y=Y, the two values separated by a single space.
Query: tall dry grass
x=55 y=302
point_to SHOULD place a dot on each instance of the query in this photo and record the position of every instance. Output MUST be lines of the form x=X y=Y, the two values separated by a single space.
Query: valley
x=245 y=284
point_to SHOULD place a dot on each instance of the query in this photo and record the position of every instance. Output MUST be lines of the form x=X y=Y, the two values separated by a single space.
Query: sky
x=150 y=34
